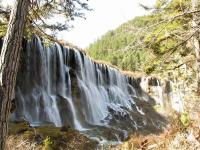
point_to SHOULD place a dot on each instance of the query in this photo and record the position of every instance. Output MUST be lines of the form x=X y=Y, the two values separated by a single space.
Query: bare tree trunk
x=196 y=39
x=9 y=60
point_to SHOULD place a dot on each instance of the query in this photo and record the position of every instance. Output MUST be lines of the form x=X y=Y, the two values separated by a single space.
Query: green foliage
x=178 y=5
x=150 y=69
x=157 y=107
x=47 y=143
x=185 y=119
x=41 y=14
x=3 y=28
x=138 y=44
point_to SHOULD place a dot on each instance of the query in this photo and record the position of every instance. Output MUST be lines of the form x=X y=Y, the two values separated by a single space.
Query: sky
x=106 y=15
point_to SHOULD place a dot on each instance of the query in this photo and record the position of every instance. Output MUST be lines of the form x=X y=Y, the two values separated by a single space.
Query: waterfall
x=62 y=86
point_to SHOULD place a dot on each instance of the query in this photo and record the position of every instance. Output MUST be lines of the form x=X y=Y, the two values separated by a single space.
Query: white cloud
x=107 y=15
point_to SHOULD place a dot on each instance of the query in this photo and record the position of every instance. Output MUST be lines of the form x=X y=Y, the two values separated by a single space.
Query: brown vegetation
x=176 y=136
x=22 y=136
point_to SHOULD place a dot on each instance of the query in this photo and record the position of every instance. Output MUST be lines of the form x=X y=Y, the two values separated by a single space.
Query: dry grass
x=23 y=137
x=171 y=139
x=20 y=143
x=175 y=137
x=134 y=74
x=103 y=62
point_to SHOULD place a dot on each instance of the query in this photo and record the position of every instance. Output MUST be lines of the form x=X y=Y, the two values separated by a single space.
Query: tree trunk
x=9 y=60
x=196 y=39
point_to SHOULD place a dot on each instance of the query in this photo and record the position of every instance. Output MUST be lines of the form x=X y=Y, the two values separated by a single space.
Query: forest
x=144 y=39
x=137 y=87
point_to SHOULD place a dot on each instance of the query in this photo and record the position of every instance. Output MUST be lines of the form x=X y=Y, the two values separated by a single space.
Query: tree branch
x=173 y=18
x=181 y=64
x=173 y=49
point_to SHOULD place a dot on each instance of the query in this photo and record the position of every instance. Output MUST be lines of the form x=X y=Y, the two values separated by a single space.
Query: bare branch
x=178 y=66
x=173 y=49
x=173 y=18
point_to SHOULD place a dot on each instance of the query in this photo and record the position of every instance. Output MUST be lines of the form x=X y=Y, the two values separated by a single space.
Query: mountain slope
x=137 y=44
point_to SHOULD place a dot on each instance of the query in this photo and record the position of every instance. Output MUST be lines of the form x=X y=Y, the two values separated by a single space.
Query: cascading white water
x=145 y=87
x=156 y=91
x=176 y=97
x=77 y=124
x=63 y=86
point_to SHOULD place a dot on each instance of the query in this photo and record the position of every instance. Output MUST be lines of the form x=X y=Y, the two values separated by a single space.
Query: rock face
x=166 y=93
x=62 y=86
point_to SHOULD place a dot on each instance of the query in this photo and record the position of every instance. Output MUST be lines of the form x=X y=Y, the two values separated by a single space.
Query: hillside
x=138 y=44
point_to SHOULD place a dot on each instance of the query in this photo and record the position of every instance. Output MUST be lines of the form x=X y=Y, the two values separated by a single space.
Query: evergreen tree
x=42 y=12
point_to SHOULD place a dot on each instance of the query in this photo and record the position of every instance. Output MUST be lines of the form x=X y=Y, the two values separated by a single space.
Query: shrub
x=185 y=119
x=47 y=143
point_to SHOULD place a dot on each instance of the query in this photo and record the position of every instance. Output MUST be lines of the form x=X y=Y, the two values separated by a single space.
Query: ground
x=181 y=134
x=23 y=137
